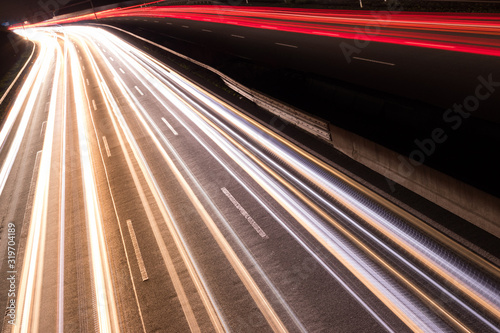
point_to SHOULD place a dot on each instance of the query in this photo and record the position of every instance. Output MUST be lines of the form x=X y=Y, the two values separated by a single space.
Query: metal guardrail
x=309 y=123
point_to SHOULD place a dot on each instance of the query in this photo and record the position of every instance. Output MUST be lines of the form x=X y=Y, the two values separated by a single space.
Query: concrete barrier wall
x=471 y=204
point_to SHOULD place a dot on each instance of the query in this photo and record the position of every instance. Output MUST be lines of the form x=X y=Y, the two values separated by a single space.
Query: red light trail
x=438 y=31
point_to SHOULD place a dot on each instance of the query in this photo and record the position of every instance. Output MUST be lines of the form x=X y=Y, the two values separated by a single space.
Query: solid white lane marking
x=138 y=254
x=169 y=126
x=245 y=214
x=121 y=70
x=375 y=61
x=139 y=90
x=206 y=30
x=106 y=146
x=237 y=36
x=287 y=45
x=93 y=104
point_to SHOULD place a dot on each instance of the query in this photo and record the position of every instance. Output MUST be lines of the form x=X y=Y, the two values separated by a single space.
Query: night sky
x=16 y=10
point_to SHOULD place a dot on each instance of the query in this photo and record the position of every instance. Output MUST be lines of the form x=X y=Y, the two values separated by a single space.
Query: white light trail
x=30 y=284
x=33 y=84
x=396 y=229
x=62 y=196
x=279 y=150
x=254 y=290
x=303 y=186
x=103 y=286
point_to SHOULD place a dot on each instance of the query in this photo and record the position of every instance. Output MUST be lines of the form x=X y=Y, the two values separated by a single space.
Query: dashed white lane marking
x=106 y=146
x=139 y=90
x=87 y=81
x=83 y=67
x=237 y=36
x=138 y=254
x=245 y=214
x=43 y=127
x=111 y=59
x=93 y=104
x=169 y=126
x=375 y=61
x=29 y=204
x=287 y=45
x=185 y=26
x=121 y=70
x=206 y=30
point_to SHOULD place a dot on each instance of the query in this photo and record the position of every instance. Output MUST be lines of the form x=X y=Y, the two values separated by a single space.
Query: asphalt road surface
x=133 y=200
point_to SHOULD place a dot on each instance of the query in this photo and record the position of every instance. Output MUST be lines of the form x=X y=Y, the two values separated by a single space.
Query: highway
x=133 y=200
x=391 y=92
